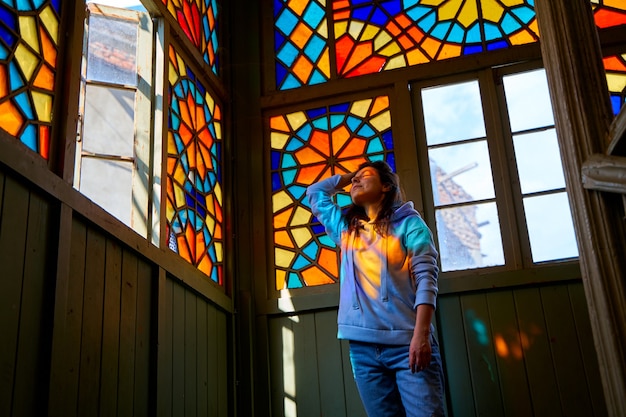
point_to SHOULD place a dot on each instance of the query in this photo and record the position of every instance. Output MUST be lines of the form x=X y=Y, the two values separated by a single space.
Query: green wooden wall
x=518 y=352
x=92 y=327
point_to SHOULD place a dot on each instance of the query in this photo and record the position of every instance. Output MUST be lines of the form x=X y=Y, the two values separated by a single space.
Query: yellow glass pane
x=302 y=236
x=390 y=50
x=382 y=121
x=219 y=251
x=341 y=27
x=10 y=118
x=324 y=63
x=279 y=140
x=283 y=257
x=279 y=123
x=43 y=105
x=280 y=279
x=468 y=14
x=301 y=217
x=49 y=20
x=210 y=224
x=28 y=32
x=395 y=62
x=179 y=197
x=217 y=192
x=359 y=108
x=356 y=28
x=371 y=31
x=313 y=276
x=491 y=10
x=322 y=30
x=383 y=39
x=296 y=120
x=616 y=82
x=281 y=219
x=280 y=200
x=26 y=60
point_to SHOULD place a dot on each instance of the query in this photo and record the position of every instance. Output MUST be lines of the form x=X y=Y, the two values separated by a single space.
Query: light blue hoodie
x=379 y=309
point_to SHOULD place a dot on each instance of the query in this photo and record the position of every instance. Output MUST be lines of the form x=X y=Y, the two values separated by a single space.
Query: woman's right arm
x=327 y=212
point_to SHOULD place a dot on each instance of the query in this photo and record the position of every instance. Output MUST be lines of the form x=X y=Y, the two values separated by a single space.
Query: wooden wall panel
x=25 y=298
x=193 y=355
x=310 y=373
x=525 y=353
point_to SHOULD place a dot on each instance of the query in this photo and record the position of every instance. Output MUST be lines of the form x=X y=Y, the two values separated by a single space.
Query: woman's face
x=367 y=188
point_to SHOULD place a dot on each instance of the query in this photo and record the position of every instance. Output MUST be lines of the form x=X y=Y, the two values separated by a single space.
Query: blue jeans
x=387 y=386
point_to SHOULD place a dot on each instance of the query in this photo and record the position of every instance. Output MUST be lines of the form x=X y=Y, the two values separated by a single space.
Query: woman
x=388 y=291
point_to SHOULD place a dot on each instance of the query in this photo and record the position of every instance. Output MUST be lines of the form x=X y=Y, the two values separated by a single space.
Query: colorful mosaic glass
x=194 y=176
x=29 y=35
x=608 y=13
x=374 y=36
x=199 y=21
x=301 y=43
x=615 y=67
x=308 y=146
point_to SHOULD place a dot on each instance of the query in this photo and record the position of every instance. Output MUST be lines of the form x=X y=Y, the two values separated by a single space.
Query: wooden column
x=572 y=58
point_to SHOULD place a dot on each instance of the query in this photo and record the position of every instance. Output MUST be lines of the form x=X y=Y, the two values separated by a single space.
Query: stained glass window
x=608 y=13
x=380 y=35
x=194 y=175
x=301 y=43
x=29 y=35
x=307 y=146
x=371 y=36
x=198 y=20
x=615 y=67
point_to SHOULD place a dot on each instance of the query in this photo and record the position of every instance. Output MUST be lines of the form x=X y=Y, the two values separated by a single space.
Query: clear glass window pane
x=111 y=131
x=453 y=112
x=539 y=161
x=461 y=173
x=469 y=237
x=109 y=184
x=112 y=50
x=528 y=100
x=550 y=227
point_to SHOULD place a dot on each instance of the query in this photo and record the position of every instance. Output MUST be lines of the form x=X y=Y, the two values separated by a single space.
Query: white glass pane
x=469 y=237
x=112 y=50
x=528 y=100
x=539 y=161
x=109 y=126
x=453 y=112
x=461 y=173
x=108 y=184
x=550 y=227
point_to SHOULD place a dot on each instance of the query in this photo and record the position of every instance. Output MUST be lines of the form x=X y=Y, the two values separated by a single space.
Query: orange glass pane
x=329 y=260
x=282 y=219
x=313 y=276
x=309 y=174
x=282 y=238
x=279 y=123
x=10 y=118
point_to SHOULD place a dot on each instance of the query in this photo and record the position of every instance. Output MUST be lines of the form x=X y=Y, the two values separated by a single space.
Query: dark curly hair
x=392 y=200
